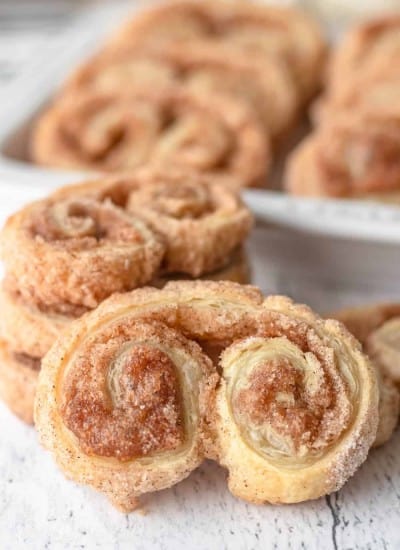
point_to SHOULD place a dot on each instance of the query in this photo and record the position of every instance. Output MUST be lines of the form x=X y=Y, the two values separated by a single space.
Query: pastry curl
x=201 y=220
x=372 y=43
x=258 y=31
x=123 y=404
x=296 y=407
x=18 y=380
x=377 y=327
x=76 y=252
x=326 y=412
x=120 y=131
x=351 y=155
x=207 y=68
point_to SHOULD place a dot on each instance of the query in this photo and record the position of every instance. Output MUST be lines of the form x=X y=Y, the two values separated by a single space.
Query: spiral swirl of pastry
x=354 y=154
x=283 y=438
x=372 y=43
x=77 y=251
x=18 y=380
x=257 y=30
x=129 y=405
x=289 y=403
x=202 y=220
x=120 y=131
x=266 y=87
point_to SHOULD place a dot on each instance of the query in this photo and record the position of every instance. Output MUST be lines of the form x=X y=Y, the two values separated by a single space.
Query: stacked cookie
x=354 y=150
x=211 y=86
x=65 y=254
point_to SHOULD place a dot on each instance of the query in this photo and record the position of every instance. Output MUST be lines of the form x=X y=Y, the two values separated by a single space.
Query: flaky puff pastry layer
x=352 y=154
x=201 y=220
x=328 y=405
x=372 y=43
x=265 y=86
x=18 y=380
x=377 y=327
x=75 y=252
x=120 y=131
x=256 y=30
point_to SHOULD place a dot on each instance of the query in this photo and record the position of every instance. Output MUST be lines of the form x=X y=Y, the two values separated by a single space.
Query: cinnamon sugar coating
x=254 y=29
x=283 y=439
x=126 y=403
x=120 y=131
x=265 y=87
x=201 y=220
x=77 y=252
x=18 y=380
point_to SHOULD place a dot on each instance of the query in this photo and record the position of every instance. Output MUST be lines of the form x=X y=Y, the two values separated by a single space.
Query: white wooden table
x=39 y=508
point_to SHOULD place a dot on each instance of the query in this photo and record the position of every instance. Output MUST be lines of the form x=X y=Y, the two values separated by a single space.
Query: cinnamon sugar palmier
x=255 y=29
x=310 y=435
x=373 y=89
x=266 y=87
x=377 y=327
x=75 y=252
x=18 y=380
x=295 y=416
x=354 y=154
x=371 y=43
x=121 y=131
x=131 y=421
x=201 y=219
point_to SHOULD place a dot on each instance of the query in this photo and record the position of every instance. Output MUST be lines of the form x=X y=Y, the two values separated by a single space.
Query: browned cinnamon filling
x=276 y=393
x=33 y=363
x=140 y=416
x=75 y=224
